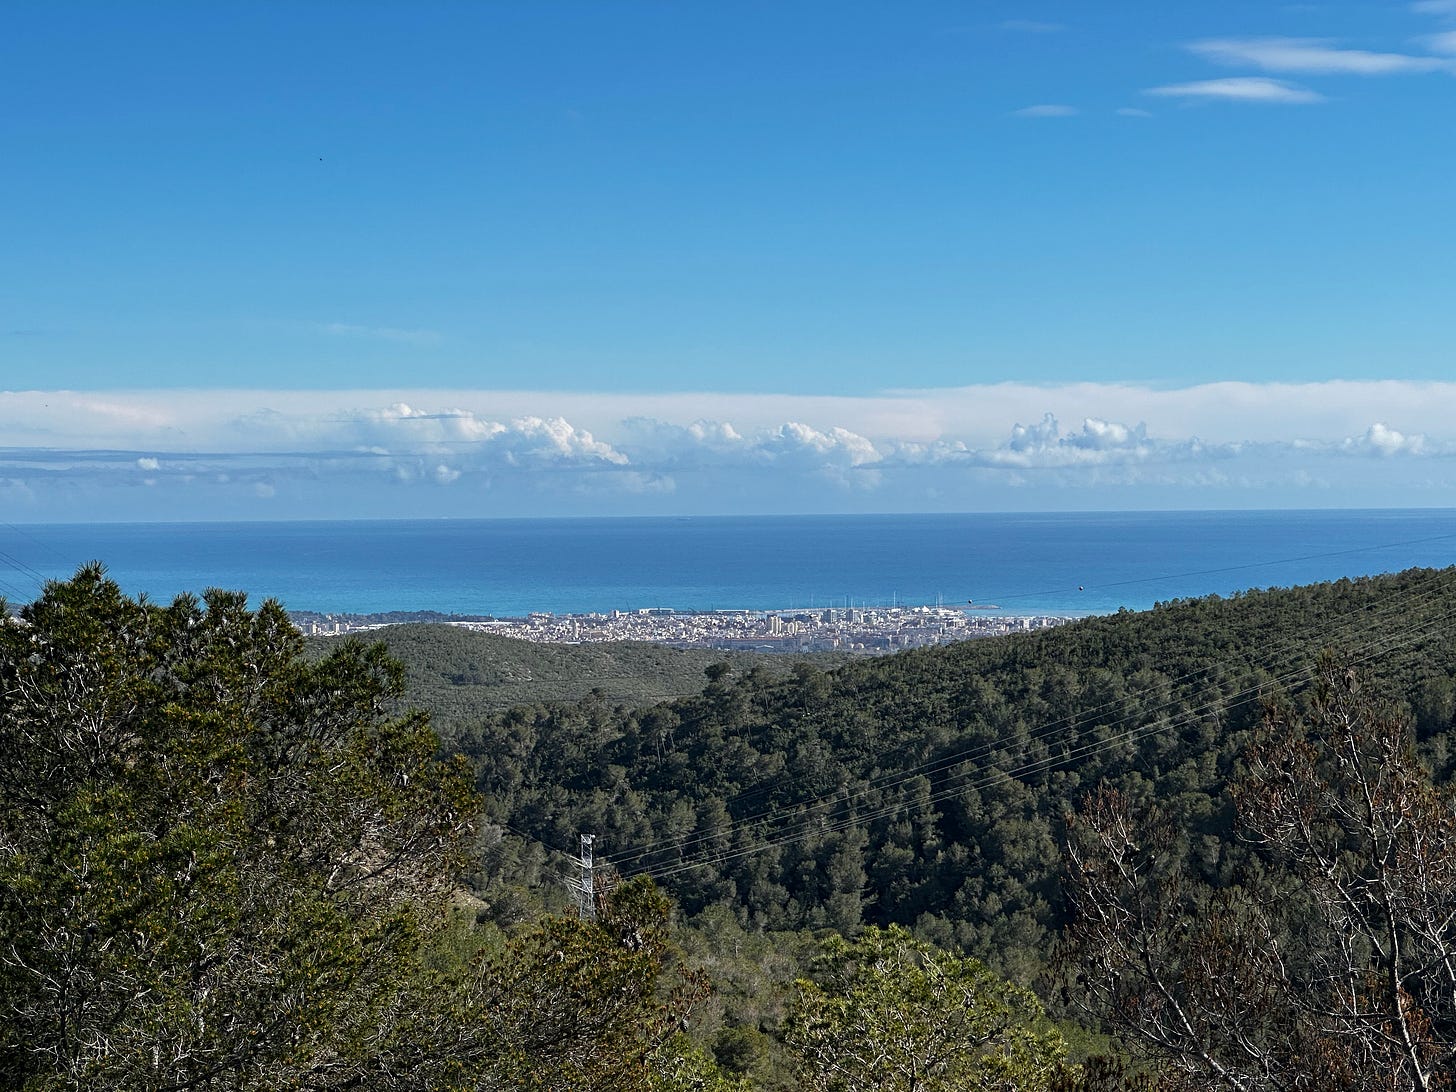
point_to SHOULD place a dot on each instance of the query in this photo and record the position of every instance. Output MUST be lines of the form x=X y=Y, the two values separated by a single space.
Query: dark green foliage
x=569 y=1004
x=217 y=862
x=223 y=866
x=929 y=788
x=458 y=675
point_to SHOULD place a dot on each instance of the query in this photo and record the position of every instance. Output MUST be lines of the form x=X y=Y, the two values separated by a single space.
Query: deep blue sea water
x=1038 y=563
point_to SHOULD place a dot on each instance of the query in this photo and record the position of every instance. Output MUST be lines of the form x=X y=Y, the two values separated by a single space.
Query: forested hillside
x=460 y=674
x=930 y=788
x=222 y=862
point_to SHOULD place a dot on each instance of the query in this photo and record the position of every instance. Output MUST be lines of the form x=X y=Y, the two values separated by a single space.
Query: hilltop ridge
x=929 y=788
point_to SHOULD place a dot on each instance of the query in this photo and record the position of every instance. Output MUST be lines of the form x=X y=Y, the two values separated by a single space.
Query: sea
x=1017 y=564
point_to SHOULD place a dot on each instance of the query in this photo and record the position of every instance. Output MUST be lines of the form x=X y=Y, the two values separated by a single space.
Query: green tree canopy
x=218 y=862
x=593 y=1005
x=889 y=1013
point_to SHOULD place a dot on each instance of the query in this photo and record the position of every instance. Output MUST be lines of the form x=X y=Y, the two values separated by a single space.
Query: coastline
x=1032 y=565
x=865 y=630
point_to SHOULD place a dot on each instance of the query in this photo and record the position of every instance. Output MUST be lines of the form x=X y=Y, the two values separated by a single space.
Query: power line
x=800 y=831
x=766 y=786
x=823 y=827
x=899 y=777
x=32 y=576
x=803 y=825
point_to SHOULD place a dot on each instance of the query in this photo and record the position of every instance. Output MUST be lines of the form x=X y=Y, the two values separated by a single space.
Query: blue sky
x=361 y=259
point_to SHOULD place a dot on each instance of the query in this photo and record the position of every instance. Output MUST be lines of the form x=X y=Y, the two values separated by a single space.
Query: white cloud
x=164 y=424
x=1434 y=7
x=1133 y=112
x=1240 y=89
x=554 y=440
x=1310 y=55
x=120 y=411
x=667 y=444
x=400 y=430
x=714 y=431
x=837 y=445
x=1380 y=439
x=304 y=449
x=1047 y=110
x=401 y=421
x=1043 y=434
x=1098 y=443
x=791 y=446
x=1099 y=435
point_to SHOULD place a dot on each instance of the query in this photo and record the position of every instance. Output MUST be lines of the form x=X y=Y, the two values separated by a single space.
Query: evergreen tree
x=218 y=863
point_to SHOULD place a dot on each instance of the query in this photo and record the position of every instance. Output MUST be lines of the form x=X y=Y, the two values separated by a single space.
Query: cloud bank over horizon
x=186 y=454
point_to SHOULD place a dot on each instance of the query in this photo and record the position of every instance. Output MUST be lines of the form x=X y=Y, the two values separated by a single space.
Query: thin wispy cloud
x=1240 y=89
x=1032 y=26
x=1445 y=42
x=1435 y=7
x=1133 y=112
x=1311 y=56
x=379 y=333
x=1047 y=110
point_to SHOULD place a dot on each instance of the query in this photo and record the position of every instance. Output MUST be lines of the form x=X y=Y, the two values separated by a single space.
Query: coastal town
x=865 y=630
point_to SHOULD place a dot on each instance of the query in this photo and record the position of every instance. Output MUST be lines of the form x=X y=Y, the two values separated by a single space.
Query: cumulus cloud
x=405 y=430
x=554 y=440
x=1311 y=56
x=665 y=444
x=1240 y=89
x=838 y=444
x=401 y=421
x=790 y=446
x=1099 y=435
x=171 y=425
x=1098 y=442
x=1380 y=439
x=894 y=446
x=1045 y=433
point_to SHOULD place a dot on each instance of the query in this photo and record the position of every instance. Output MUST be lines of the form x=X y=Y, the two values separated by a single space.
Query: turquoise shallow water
x=1038 y=563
